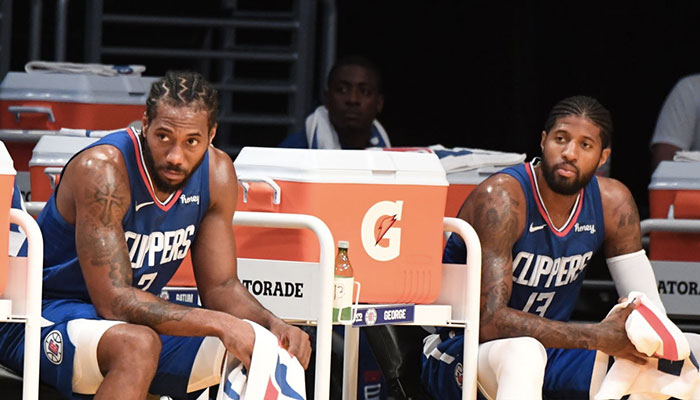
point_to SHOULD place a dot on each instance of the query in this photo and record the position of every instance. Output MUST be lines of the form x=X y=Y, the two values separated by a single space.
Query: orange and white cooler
x=7 y=178
x=49 y=157
x=674 y=192
x=39 y=103
x=388 y=205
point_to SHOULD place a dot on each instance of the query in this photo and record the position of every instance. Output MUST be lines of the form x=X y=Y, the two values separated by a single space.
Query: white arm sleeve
x=633 y=272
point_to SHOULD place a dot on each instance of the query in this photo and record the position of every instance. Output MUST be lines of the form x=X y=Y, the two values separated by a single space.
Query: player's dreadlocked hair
x=183 y=88
x=584 y=107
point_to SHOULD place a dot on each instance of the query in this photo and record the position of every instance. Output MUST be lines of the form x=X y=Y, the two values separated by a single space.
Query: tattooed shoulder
x=496 y=207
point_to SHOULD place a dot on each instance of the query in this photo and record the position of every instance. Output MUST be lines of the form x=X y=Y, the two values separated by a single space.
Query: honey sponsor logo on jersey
x=189 y=199
x=585 y=228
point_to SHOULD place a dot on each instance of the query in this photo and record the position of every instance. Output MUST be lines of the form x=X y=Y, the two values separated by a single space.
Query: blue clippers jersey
x=158 y=234
x=548 y=263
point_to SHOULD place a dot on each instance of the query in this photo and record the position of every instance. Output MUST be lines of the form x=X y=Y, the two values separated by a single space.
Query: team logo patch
x=458 y=375
x=370 y=316
x=53 y=347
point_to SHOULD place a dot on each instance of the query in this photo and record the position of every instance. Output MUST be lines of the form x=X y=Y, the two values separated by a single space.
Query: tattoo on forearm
x=557 y=334
x=149 y=313
x=120 y=274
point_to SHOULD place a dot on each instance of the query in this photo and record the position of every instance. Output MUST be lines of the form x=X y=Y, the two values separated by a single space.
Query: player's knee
x=137 y=346
x=146 y=340
x=526 y=350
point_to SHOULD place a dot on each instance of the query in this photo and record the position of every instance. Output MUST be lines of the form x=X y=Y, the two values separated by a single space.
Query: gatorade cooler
x=388 y=205
x=35 y=104
x=674 y=192
x=462 y=184
x=7 y=178
x=49 y=157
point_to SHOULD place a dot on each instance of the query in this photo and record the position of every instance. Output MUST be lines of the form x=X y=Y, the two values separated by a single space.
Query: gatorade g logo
x=380 y=237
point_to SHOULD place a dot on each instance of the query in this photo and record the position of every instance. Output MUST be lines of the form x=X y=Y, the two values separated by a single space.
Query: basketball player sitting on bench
x=539 y=224
x=126 y=211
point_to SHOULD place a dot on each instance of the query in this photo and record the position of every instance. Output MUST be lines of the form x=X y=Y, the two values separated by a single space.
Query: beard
x=561 y=185
x=153 y=169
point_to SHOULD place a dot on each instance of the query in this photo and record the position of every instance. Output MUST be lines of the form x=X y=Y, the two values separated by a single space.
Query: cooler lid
x=340 y=166
x=472 y=177
x=57 y=150
x=77 y=88
x=672 y=175
x=6 y=163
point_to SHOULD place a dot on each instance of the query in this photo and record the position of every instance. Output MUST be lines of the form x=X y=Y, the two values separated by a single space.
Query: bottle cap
x=343 y=244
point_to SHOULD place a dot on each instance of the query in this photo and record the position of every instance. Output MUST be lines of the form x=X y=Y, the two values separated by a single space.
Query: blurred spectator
x=678 y=126
x=347 y=120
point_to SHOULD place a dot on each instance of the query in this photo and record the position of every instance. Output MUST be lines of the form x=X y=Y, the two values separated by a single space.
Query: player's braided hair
x=584 y=107
x=183 y=88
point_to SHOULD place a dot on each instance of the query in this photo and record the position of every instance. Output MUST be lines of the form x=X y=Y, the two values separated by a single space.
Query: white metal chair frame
x=25 y=295
x=326 y=268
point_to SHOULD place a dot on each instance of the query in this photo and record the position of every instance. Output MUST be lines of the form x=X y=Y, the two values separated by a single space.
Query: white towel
x=460 y=159
x=319 y=127
x=687 y=156
x=79 y=68
x=671 y=372
x=274 y=373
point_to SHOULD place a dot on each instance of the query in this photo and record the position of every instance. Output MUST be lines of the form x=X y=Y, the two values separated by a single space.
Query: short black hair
x=357 y=60
x=183 y=88
x=584 y=107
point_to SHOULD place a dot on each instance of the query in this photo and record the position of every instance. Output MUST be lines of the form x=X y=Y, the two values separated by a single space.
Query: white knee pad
x=85 y=334
x=512 y=368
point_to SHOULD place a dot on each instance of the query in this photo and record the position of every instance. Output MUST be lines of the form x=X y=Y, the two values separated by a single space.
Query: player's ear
x=212 y=133
x=604 y=155
x=544 y=137
x=144 y=122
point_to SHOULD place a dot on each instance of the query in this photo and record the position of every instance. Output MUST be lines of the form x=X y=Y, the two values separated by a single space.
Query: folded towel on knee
x=274 y=373
x=671 y=372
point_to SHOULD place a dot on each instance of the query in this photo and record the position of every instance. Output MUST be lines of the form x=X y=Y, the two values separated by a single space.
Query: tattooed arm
x=497 y=211
x=94 y=195
x=622 y=228
x=214 y=261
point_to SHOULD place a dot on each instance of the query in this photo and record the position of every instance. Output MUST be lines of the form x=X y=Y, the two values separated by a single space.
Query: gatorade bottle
x=343 y=284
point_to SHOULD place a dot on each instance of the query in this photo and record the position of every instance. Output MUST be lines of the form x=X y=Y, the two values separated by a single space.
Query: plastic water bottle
x=343 y=284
